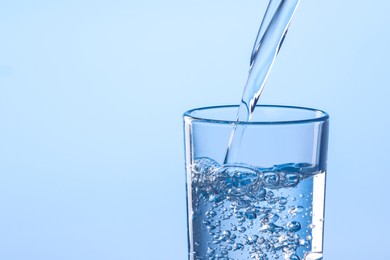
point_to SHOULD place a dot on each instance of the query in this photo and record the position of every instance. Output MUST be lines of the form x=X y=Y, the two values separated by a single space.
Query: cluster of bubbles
x=248 y=213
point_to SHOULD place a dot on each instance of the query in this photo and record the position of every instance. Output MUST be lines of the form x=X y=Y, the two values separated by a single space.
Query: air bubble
x=204 y=165
x=211 y=227
x=271 y=228
x=270 y=179
x=210 y=251
x=283 y=201
x=242 y=229
x=234 y=180
x=253 y=239
x=290 y=180
x=261 y=240
x=216 y=198
x=296 y=210
x=259 y=193
x=210 y=214
x=294 y=257
x=255 y=208
x=272 y=218
x=294 y=226
x=250 y=214
x=238 y=246
x=221 y=257
x=226 y=233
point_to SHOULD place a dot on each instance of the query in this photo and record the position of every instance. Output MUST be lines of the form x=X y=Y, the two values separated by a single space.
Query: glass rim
x=324 y=116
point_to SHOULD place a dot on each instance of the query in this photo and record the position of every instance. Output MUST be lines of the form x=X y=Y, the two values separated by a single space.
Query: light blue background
x=91 y=97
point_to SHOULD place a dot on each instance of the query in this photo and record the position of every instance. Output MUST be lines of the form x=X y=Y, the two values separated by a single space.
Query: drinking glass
x=269 y=202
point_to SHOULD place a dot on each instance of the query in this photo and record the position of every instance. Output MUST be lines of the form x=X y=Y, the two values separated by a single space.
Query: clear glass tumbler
x=269 y=202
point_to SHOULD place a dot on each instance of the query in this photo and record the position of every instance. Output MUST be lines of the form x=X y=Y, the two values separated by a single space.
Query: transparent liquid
x=269 y=40
x=239 y=211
